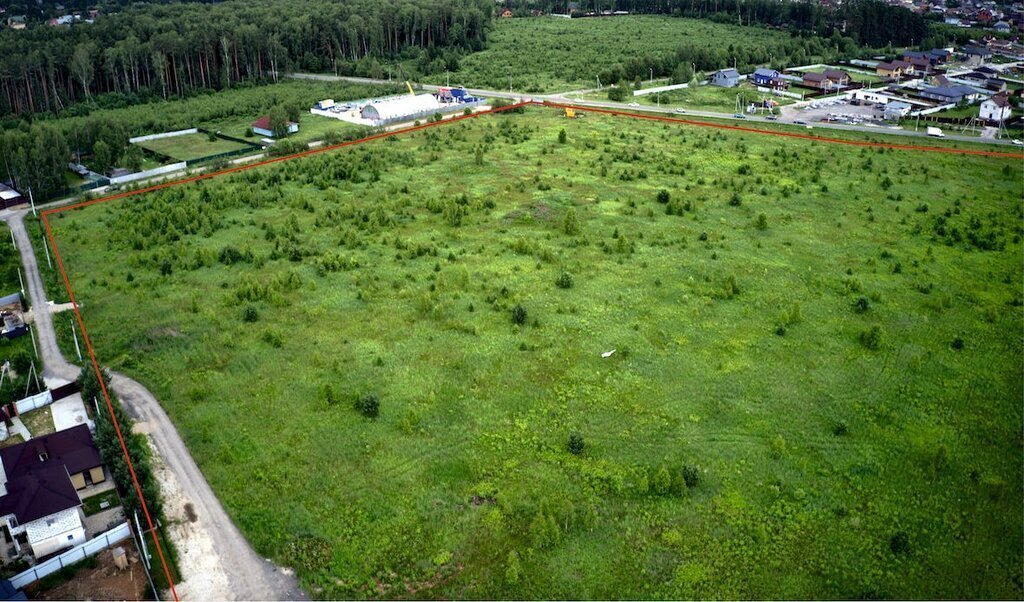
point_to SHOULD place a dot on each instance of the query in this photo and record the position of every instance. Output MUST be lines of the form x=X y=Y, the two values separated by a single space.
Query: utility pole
x=652 y=75
x=74 y=334
x=32 y=200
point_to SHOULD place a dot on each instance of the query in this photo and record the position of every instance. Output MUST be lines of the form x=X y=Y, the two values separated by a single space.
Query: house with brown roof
x=997 y=108
x=39 y=484
x=823 y=81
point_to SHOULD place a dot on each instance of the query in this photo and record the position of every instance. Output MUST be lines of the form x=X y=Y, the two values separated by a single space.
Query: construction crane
x=407 y=84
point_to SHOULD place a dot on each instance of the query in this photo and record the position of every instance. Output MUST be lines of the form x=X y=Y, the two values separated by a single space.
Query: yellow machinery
x=407 y=84
x=570 y=112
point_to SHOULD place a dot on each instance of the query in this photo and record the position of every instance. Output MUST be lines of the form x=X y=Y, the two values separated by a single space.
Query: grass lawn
x=815 y=390
x=311 y=127
x=188 y=147
x=91 y=505
x=855 y=75
x=52 y=280
x=700 y=97
x=553 y=55
x=10 y=441
x=39 y=422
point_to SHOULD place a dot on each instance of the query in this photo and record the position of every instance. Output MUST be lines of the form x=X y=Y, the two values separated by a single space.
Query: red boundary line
x=323 y=149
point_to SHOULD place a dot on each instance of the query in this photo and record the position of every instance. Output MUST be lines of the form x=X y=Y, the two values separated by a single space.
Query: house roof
x=815 y=77
x=10 y=299
x=727 y=73
x=1001 y=100
x=401 y=106
x=37 y=472
x=950 y=91
x=72 y=448
x=897 y=106
x=836 y=74
x=39 y=493
x=263 y=123
x=766 y=72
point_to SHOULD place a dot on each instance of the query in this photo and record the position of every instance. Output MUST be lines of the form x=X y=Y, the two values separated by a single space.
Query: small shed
x=262 y=127
x=10 y=197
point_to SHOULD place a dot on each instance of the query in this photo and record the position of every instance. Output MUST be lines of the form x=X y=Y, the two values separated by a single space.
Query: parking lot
x=835 y=111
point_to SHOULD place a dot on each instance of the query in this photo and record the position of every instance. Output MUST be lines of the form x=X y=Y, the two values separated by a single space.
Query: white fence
x=35 y=402
x=660 y=89
x=932 y=110
x=795 y=95
x=149 y=173
x=76 y=554
x=163 y=135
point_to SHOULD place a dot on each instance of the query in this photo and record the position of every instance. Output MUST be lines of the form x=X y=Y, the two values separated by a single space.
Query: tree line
x=176 y=49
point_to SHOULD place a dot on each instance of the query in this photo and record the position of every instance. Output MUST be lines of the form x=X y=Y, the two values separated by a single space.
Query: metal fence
x=76 y=554
x=34 y=402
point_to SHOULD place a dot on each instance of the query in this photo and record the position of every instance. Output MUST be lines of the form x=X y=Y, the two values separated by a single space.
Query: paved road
x=570 y=97
x=249 y=576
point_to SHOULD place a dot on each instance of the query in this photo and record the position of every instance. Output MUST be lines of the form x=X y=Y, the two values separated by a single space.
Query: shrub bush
x=872 y=338
x=663 y=196
x=576 y=445
x=369 y=405
x=564 y=280
x=250 y=314
x=519 y=315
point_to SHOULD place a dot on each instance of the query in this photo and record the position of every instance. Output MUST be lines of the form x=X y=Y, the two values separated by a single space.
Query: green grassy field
x=311 y=127
x=815 y=390
x=700 y=97
x=191 y=146
x=554 y=55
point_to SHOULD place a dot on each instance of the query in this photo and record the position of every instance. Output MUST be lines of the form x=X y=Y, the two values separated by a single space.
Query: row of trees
x=870 y=22
x=176 y=49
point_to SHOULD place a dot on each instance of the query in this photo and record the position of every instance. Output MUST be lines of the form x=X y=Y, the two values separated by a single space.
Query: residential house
x=919 y=64
x=764 y=77
x=506 y=14
x=725 y=78
x=976 y=54
x=893 y=69
x=950 y=94
x=841 y=78
x=996 y=108
x=829 y=80
x=17 y=22
x=40 y=482
x=1002 y=27
x=262 y=127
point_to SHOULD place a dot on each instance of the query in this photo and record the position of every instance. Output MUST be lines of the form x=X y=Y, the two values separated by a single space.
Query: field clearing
x=815 y=390
x=554 y=55
x=188 y=147
x=701 y=97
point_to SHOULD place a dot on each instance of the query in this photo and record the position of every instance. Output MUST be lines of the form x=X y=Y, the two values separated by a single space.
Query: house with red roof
x=262 y=127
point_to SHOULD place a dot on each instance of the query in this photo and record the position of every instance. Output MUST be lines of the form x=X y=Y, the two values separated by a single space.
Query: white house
x=39 y=483
x=996 y=108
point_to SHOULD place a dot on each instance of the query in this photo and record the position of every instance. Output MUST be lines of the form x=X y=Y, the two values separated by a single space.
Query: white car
x=1018 y=142
x=634 y=104
x=680 y=110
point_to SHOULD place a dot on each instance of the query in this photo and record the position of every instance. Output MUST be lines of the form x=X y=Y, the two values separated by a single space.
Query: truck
x=936 y=132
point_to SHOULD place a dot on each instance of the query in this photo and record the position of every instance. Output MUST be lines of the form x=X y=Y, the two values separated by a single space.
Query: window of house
x=70 y=537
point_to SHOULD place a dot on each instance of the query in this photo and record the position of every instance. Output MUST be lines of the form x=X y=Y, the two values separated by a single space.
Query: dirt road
x=216 y=561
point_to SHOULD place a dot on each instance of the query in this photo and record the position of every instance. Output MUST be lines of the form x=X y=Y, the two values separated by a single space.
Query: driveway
x=69 y=412
x=215 y=559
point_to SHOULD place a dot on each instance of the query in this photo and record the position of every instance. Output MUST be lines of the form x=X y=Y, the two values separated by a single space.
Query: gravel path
x=215 y=559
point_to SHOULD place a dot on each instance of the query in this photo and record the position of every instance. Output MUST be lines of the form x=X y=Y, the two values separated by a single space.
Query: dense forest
x=870 y=22
x=176 y=49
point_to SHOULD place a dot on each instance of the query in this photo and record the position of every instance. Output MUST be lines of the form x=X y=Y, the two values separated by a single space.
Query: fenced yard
x=190 y=147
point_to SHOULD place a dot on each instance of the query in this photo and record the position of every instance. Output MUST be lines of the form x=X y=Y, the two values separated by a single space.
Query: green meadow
x=815 y=390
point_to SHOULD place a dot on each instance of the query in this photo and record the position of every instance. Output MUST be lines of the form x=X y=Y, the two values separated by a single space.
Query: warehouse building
x=401 y=108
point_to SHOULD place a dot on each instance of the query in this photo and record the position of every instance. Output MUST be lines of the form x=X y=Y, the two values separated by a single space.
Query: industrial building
x=401 y=108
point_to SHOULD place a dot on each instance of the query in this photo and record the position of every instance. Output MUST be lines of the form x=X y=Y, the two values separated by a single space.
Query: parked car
x=1017 y=142
x=634 y=104
x=680 y=110
x=800 y=122
x=739 y=116
x=772 y=117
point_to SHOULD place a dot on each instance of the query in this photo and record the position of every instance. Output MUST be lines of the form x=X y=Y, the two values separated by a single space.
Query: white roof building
x=401 y=107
